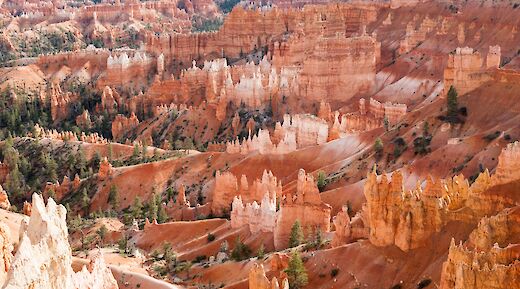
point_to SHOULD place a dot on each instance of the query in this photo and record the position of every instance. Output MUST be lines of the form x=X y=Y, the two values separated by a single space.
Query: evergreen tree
x=186 y=266
x=81 y=164
x=152 y=208
x=321 y=182
x=123 y=244
x=169 y=256
x=137 y=208
x=85 y=200
x=241 y=251
x=319 y=239
x=296 y=273
x=426 y=128
x=50 y=166
x=135 y=153
x=453 y=105
x=110 y=152
x=296 y=238
x=261 y=252
x=378 y=147
x=169 y=194
x=162 y=216
x=143 y=152
x=14 y=182
x=113 y=197
x=96 y=159
x=102 y=233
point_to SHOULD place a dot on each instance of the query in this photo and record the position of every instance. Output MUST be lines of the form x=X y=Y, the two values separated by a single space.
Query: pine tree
x=378 y=147
x=96 y=159
x=81 y=164
x=135 y=153
x=102 y=233
x=296 y=238
x=453 y=105
x=85 y=200
x=50 y=166
x=110 y=152
x=169 y=256
x=152 y=208
x=123 y=244
x=113 y=197
x=13 y=184
x=318 y=241
x=144 y=149
x=321 y=182
x=426 y=128
x=137 y=209
x=261 y=252
x=296 y=273
x=162 y=216
x=241 y=251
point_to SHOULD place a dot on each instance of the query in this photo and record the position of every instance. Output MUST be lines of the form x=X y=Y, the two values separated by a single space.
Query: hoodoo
x=259 y=144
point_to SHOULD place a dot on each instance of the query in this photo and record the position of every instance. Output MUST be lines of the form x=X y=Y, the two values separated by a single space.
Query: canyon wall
x=246 y=30
x=338 y=68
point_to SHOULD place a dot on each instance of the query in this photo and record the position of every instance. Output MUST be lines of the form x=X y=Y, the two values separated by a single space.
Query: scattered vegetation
x=400 y=146
x=378 y=148
x=421 y=144
x=424 y=283
x=200 y=24
x=296 y=238
x=492 y=136
x=227 y=5
x=452 y=115
x=296 y=273
x=334 y=272
x=241 y=251
x=321 y=181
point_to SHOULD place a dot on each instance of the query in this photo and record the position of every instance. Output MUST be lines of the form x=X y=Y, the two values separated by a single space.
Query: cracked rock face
x=44 y=257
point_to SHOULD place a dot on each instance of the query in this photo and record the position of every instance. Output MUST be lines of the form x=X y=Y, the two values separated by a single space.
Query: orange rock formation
x=122 y=124
x=258 y=280
x=490 y=260
x=4 y=199
x=227 y=187
x=467 y=70
x=306 y=207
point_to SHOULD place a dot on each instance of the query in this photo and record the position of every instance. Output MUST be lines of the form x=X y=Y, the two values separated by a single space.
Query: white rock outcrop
x=44 y=257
